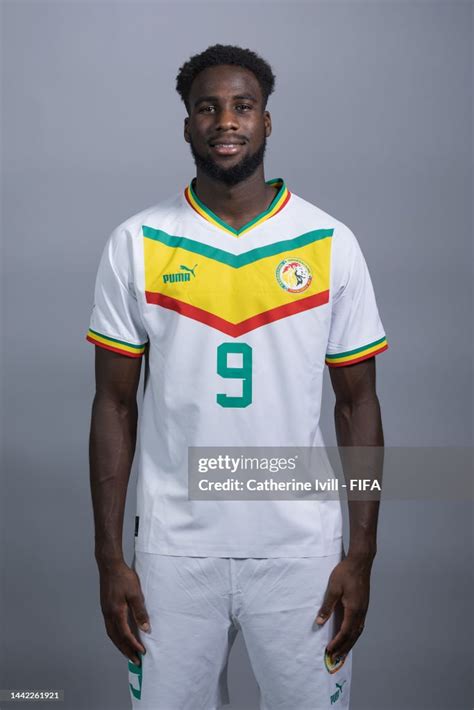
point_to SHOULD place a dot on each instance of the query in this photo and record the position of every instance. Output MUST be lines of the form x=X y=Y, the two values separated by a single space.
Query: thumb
x=327 y=606
x=137 y=606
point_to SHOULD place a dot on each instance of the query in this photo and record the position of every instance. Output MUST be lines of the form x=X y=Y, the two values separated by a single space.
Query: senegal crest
x=294 y=275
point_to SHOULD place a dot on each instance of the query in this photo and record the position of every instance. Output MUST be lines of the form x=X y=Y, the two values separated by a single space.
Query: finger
x=344 y=632
x=122 y=645
x=348 y=633
x=122 y=634
x=131 y=638
x=139 y=612
x=327 y=607
x=346 y=647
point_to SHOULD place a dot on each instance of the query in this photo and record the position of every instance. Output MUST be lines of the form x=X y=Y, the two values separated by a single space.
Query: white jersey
x=236 y=327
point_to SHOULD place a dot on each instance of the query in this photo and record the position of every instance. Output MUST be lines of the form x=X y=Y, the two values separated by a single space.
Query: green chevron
x=236 y=261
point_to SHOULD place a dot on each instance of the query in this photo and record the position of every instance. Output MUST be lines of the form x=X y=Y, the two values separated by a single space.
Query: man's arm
x=111 y=450
x=358 y=424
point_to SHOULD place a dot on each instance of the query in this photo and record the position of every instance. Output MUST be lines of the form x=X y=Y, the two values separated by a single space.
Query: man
x=237 y=292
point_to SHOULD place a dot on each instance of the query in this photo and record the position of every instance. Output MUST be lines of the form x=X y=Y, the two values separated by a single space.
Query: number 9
x=243 y=373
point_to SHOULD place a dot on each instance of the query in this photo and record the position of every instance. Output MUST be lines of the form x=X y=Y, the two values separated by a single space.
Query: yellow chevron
x=230 y=293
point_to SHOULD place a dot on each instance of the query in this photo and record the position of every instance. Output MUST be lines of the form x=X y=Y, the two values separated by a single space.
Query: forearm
x=360 y=436
x=111 y=450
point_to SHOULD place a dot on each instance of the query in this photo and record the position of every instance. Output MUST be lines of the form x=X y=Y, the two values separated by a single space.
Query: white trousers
x=197 y=605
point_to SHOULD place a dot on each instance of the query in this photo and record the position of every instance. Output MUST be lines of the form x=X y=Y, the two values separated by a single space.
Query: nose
x=226 y=119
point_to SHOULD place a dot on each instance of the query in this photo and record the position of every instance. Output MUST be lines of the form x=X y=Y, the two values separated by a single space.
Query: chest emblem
x=293 y=275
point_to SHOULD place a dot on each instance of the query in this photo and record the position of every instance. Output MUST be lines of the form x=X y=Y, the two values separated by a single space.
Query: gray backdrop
x=372 y=122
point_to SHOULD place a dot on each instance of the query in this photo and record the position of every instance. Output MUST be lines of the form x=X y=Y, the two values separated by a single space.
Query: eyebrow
x=200 y=99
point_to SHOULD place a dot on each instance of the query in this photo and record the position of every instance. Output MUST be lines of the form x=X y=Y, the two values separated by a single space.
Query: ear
x=186 y=129
x=267 y=119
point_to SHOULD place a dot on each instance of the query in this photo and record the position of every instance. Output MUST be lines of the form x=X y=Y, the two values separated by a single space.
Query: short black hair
x=219 y=54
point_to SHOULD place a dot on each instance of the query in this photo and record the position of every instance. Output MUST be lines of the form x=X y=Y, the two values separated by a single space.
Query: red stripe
x=110 y=347
x=284 y=203
x=236 y=329
x=357 y=359
x=187 y=197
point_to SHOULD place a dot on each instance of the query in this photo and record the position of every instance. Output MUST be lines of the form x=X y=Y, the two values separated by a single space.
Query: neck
x=235 y=203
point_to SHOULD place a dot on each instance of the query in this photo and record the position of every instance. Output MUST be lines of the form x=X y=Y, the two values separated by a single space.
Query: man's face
x=227 y=125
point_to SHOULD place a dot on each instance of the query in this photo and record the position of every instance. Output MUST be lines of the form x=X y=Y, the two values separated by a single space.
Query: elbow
x=114 y=402
x=346 y=409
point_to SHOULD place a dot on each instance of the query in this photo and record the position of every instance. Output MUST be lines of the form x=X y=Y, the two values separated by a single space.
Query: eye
x=206 y=109
x=246 y=107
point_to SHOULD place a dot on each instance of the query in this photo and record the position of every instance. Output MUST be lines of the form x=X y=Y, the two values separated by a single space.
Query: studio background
x=372 y=122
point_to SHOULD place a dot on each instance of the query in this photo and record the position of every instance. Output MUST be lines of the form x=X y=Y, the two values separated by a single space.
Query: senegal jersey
x=236 y=327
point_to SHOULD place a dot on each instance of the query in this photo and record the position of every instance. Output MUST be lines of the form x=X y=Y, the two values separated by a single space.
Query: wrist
x=363 y=551
x=109 y=565
x=108 y=558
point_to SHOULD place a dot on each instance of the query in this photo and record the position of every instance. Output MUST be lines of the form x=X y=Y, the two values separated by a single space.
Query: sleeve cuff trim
x=118 y=346
x=350 y=357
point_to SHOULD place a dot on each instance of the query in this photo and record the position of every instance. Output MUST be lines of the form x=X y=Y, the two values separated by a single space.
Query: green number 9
x=244 y=373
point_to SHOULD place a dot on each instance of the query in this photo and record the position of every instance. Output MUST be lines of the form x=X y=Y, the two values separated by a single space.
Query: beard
x=236 y=173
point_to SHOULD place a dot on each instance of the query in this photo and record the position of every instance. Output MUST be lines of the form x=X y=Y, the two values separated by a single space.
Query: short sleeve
x=356 y=331
x=115 y=322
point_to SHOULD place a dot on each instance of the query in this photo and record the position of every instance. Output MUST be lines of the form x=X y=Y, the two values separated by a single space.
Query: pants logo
x=338 y=692
x=135 y=674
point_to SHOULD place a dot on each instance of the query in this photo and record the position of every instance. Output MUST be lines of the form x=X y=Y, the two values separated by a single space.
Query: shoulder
x=343 y=238
x=124 y=241
x=160 y=213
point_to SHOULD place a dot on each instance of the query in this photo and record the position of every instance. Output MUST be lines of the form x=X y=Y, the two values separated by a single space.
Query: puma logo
x=186 y=268
x=180 y=277
x=337 y=693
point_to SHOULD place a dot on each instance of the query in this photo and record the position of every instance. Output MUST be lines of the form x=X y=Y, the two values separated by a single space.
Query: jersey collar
x=277 y=204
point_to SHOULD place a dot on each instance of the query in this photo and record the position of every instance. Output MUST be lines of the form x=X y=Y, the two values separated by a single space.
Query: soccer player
x=236 y=292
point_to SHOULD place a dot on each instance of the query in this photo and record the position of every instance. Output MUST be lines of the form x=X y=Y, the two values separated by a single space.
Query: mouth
x=226 y=148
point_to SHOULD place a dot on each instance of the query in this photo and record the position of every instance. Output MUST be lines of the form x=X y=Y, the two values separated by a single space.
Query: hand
x=120 y=597
x=349 y=586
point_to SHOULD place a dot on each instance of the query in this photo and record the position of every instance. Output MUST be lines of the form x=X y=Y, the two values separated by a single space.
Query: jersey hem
x=314 y=550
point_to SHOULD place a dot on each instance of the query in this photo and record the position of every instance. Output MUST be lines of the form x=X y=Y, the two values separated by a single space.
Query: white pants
x=196 y=607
